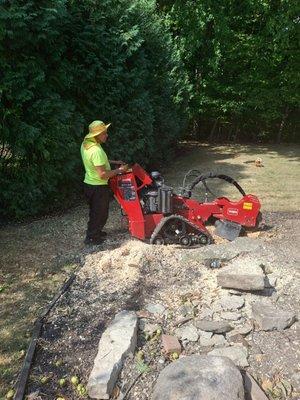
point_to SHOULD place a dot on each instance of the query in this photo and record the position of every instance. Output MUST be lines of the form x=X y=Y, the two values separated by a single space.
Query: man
x=97 y=173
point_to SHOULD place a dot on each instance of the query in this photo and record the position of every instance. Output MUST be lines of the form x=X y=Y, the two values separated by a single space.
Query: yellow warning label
x=247 y=206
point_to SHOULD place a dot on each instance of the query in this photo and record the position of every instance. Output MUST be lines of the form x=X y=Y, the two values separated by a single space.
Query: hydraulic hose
x=211 y=175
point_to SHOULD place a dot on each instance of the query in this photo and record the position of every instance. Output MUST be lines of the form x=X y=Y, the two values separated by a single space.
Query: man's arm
x=106 y=174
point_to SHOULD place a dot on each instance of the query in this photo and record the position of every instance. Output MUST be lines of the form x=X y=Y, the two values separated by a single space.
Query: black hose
x=191 y=172
x=211 y=175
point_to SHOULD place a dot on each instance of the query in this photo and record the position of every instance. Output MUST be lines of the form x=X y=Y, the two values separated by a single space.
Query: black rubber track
x=162 y=223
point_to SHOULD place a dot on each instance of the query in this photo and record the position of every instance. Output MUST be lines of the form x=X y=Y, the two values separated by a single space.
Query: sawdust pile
x=129 y=267
x=136 y=270
x=122 y=264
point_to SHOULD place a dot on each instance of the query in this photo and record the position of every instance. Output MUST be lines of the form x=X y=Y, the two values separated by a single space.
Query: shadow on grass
x=281 y=168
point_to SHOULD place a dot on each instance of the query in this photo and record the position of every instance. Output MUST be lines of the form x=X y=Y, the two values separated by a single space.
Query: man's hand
x=123 y=168
x=104 y=174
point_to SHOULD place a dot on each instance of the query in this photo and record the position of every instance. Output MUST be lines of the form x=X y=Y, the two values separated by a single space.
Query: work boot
x=93 y=241
x=102 y=234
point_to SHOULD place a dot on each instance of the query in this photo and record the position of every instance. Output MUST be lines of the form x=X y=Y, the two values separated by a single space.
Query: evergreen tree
x=64 y=64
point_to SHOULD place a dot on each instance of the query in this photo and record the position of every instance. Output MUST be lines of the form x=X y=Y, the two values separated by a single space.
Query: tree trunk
x=195 y=128
x=230 y=131
x=212 y=132
x=283 y=121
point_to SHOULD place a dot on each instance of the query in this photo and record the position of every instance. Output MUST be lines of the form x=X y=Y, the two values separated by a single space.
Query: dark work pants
x=98 y=200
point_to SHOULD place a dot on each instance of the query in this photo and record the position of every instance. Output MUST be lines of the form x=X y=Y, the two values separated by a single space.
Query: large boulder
x=200 y=377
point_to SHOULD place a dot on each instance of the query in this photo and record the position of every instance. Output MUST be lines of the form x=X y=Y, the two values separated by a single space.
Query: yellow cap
x=95 y=128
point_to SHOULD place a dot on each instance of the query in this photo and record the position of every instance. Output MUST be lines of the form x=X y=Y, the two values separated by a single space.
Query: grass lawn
x=36 y=257
x=276 y=184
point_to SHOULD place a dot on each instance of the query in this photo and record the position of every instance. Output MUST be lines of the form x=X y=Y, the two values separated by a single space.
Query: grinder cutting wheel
x=157 y=214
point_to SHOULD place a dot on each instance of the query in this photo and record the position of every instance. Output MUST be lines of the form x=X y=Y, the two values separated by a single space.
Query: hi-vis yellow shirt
x=93 y=157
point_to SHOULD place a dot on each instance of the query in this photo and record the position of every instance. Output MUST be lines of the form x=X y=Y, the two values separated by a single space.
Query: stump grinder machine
x=155 y=213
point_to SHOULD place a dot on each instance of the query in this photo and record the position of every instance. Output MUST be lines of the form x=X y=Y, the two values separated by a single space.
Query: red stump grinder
x=155 y=213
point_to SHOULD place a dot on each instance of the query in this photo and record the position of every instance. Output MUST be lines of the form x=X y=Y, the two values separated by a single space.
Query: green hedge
x=66 y=63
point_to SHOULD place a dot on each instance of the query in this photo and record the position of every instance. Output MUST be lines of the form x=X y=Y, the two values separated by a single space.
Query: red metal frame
x=126 y=188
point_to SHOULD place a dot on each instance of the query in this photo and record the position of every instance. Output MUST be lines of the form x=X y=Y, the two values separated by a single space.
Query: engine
x=157 y=198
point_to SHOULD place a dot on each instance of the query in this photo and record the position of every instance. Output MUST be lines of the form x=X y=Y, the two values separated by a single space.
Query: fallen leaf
x=267 y=385
x=143 y=314
x=260 y=357
x=116 y=392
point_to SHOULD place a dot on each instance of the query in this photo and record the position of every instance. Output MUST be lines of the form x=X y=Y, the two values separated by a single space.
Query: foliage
x=243 y=62
x=65 y=63
x=142 y=367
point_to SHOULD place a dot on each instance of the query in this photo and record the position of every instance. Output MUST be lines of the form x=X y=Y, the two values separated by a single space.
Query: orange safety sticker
x=247 y=206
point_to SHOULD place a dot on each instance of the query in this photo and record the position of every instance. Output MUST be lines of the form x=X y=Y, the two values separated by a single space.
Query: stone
x=218 y=340
x=116 y=342
x=270 y=281
x=205 y=313
x=270 y=318
x=187 y=332
x=252 y=389
x=205 y=339
x=213 y=326
x=238 y=338
x=240 y=330
x=224 y=252
x=243 y=273
x=238 y=354
x=231 y=303
x=208 y=339
x=155 y=308
x=199 y=377
x=230 y=315
x=170 y=344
